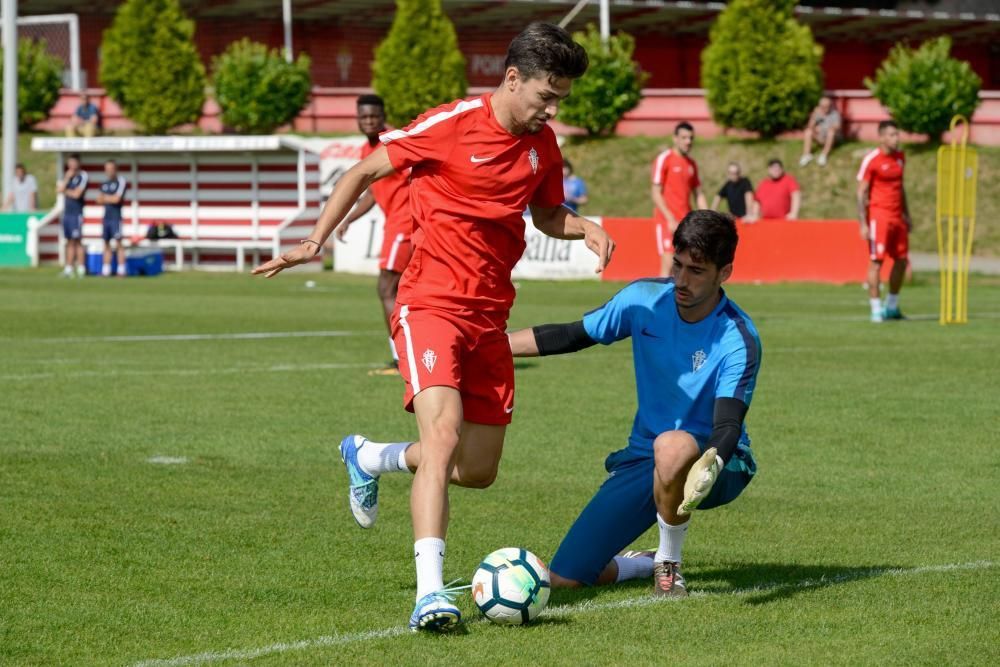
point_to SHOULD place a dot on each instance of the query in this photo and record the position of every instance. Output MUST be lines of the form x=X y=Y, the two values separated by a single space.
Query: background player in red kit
x=885 y=218
x=675 y=185
x=392 y=196
x=476 y=165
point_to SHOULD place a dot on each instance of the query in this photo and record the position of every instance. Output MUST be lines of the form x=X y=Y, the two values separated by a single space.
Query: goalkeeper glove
x=700 y=479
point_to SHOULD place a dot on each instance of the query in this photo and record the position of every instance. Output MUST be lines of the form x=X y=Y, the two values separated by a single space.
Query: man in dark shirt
x=86 y=120
x=738 y=193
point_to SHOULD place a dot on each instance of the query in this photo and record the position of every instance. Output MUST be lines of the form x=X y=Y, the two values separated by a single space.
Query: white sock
x=892 y=301
x=671 y=541
x=876 y=304
x=68 y=270
x=392 y=348
x=376 y=458
x=633 y=568
x=105 y=269
x=429 y=555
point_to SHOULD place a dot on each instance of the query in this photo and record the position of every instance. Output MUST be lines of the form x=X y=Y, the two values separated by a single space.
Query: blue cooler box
x=144 y=262
x=138 y=262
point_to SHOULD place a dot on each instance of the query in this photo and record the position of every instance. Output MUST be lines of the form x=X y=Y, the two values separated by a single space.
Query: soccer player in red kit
x=476 y=165
x=885 y=218
x=392 y=196
x=675 y=184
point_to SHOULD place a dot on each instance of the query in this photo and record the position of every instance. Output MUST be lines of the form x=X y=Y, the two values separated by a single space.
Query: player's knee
x=476 y=478
x=673 y=451
x=562 y=582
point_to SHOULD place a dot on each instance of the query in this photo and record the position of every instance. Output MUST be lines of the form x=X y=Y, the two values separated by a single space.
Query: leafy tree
x=761 y=68
x=39 y=78
x=611 y=87
x=257 y=89
x=150 y=65
x=418 y=64
x=924 y=88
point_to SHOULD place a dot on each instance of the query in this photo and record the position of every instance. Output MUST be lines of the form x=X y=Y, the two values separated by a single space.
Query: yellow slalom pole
x=939 y=214
x=955 y=213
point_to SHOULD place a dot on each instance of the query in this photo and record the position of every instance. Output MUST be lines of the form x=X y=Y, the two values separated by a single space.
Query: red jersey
x=884 y=174
x=392 y=196
x=470 y=184
x=677 y=176
x=775 y=196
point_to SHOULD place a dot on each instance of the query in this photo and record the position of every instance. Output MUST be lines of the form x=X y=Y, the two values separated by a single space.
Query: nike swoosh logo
x=645 y=332
x=508 y=410
x=475 y=159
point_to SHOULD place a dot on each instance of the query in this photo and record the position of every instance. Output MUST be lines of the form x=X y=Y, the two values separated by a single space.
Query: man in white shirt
x=23 y=196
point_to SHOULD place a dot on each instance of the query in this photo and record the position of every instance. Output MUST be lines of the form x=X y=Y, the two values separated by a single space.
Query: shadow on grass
x=522 y=365
x=762 y=583
x=757 y=583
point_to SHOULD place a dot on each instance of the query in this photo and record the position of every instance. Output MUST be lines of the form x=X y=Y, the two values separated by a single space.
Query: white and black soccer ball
x=511 y=586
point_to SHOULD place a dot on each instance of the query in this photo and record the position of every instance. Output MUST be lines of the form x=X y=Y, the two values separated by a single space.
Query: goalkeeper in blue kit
x=696 y=356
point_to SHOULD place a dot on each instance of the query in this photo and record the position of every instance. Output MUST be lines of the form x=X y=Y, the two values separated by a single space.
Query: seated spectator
x=823 y=128
x=160 y=230
x=23 y=196
x=86 y=120
x=778 y=195
x=574 y=189
x=738 y=193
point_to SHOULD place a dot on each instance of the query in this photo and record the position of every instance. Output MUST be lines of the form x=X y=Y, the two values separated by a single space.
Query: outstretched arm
x=561 y=223
x=357 y=179
x=363 y=205
x=549 y=339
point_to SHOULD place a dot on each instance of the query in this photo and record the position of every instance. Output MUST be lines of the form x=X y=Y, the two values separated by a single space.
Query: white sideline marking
x=254 y=335
x=167 y=460
x=278 y=368
x=584 y=607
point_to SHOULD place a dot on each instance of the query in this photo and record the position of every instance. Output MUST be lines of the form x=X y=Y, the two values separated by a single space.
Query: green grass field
x=870 y=535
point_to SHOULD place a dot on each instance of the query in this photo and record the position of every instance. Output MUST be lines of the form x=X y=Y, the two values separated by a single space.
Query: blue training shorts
x=112 y=230
x=623 y=509
x=72 y=227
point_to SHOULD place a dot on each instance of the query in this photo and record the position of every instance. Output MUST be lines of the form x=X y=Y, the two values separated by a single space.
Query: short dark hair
x=885 y=124
x=20 y=165
x=371 y=100
x=683 y=125
x=775 y=161
x=710 y=236
x=543 y=49
x=73 y=156
x=111 y=161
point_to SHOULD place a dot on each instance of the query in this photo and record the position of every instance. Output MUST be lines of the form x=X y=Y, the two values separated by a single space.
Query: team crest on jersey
x=698 y=360
x=429 y=360
x=533 y=159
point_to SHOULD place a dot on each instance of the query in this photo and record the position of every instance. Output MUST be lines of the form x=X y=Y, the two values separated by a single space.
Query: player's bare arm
x=863 y=188
x=560 y=223
x=357 y=179
x=906 y=211
x=700 y=199
x=364 y=204
x=716 y=202
x=793 y=214
x=751 y=209
x=661 y=205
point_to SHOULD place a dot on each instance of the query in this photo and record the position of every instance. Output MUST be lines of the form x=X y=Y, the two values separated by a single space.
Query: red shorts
x=887 y=237
x=396 y=251
x=438 y=349
x=664 y=239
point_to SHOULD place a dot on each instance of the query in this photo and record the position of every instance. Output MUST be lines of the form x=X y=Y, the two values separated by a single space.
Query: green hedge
x=257 y=89
x=924 y=88
x=761 y=68
x=39 y=79
x=418 y=65
x=150 y=65
x=611 y=87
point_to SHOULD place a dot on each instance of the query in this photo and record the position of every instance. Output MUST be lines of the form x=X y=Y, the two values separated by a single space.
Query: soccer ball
x=511 y=586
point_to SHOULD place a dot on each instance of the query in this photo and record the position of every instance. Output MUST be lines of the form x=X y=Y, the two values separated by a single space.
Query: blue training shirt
x=680 y=367
x=71 y=206
x=116 y=186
